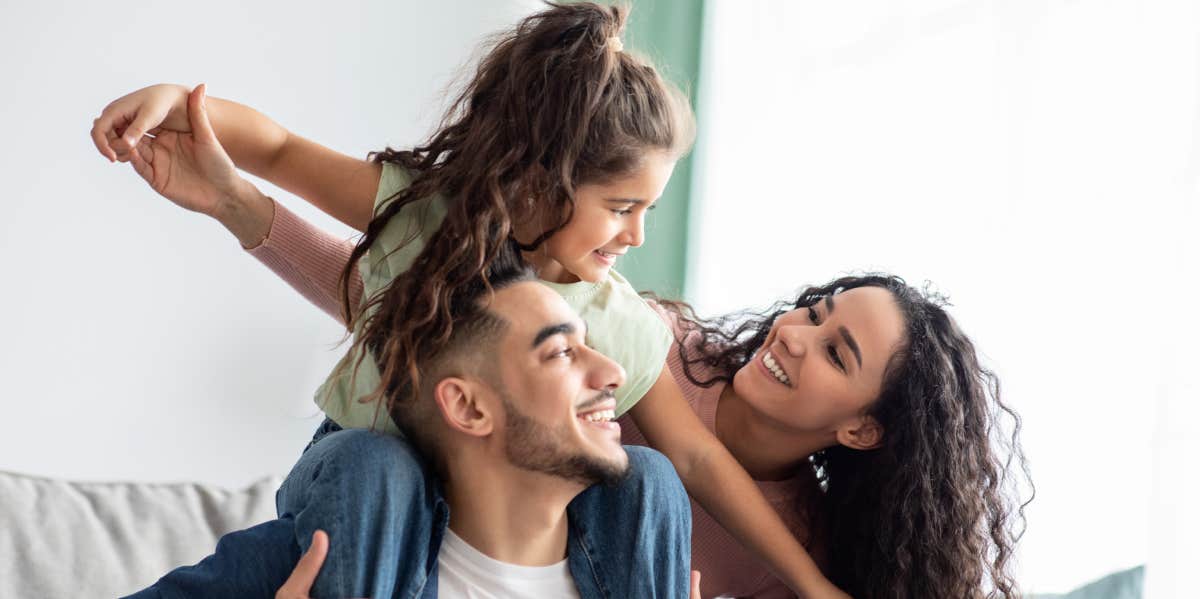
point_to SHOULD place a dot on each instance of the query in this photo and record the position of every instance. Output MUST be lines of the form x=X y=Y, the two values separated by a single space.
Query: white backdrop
x=1037 y=160
x=137 y=341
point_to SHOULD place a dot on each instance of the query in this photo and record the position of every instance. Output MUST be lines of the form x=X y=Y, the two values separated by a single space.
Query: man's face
x=556 y=391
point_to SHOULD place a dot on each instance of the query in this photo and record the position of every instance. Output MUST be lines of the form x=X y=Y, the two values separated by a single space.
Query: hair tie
x=614 y=43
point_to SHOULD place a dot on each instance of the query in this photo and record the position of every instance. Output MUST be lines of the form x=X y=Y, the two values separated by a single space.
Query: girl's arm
x=342 y=186
x=721 y=486
x=194 y=171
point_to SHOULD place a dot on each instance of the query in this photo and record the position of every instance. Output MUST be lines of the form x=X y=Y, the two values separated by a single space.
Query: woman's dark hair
x=555 y=103
x=934 y=511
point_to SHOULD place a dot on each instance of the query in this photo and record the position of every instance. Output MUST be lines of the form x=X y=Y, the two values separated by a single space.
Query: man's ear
x=461 y=404
x=863 y=433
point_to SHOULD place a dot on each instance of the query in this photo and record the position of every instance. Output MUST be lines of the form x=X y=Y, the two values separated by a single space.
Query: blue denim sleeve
x=253 y=562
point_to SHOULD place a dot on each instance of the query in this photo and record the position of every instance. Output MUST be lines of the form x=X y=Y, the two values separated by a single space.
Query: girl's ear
x=863 y=433
x=462 y=406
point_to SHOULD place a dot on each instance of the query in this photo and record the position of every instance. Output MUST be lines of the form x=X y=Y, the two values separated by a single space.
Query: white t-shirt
x=465 y=573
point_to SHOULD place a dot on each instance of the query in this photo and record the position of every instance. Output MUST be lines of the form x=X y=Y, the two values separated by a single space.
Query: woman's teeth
x=600 y=416
x=773 y=366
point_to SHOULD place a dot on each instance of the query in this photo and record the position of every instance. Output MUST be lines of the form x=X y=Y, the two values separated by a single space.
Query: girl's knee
x=652 y=472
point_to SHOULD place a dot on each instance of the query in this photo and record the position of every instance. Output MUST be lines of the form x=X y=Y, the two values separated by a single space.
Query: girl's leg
x=372 y=494
x=635 y=539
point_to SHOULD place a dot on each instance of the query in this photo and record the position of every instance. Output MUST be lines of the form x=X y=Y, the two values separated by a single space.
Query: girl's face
x=821 y=367
x=609 y=219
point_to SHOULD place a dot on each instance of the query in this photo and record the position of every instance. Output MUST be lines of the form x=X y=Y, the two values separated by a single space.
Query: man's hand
x=300 y=582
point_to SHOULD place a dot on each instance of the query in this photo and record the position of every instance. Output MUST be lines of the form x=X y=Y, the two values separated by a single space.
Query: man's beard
x=536 y=447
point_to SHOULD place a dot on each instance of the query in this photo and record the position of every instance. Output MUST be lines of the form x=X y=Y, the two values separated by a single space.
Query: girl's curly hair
x=555 y=103
x=934 y=511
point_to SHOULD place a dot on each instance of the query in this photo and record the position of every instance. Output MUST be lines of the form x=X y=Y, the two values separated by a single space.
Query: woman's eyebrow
x=852 y=344
x=630 y=201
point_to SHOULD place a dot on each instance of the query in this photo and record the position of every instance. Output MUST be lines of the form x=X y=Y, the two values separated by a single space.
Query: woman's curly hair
x=555 y=103
x=935 y=510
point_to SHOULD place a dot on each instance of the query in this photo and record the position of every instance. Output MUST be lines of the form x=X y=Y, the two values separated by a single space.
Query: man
x=514 y=485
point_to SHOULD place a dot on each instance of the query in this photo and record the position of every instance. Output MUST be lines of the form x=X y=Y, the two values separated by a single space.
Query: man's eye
x=565 y=352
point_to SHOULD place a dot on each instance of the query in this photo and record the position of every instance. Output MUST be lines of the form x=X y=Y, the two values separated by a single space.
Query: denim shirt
x=585 y=567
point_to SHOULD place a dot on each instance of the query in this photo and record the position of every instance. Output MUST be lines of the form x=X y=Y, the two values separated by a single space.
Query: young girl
x=562 y=141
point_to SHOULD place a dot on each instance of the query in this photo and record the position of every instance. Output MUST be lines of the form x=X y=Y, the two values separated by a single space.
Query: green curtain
x=668 y=32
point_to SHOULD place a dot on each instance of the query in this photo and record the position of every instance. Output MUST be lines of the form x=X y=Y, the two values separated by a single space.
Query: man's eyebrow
x=852 y=344
x=564 y=328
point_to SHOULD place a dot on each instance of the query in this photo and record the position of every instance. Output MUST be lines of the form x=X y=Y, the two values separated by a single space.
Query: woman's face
x=820 y=367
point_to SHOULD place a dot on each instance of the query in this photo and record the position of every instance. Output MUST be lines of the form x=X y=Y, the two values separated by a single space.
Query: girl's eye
x=565 y=352
x=623 y=212
x=836 y=360
x=812 y=315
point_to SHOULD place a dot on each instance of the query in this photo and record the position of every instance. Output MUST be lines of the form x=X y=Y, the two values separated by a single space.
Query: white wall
x=137 y=341
x=1037 y=160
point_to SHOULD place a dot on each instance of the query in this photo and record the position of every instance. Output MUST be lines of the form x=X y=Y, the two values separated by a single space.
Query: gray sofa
x=73 y=539
x=84 y=539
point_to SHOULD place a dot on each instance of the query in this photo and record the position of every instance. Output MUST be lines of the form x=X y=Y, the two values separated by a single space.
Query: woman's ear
x=862 y=434
x=459 y=402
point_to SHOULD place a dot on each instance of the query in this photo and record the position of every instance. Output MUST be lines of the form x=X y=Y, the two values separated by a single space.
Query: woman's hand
x=192 y=170
x=153 y=109
x=300 y=582
x=189 y=168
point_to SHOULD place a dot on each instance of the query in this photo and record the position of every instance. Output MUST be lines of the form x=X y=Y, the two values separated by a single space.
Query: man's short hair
x=470 y=349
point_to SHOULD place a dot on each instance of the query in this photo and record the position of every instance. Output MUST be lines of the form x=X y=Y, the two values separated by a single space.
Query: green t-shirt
x=621 y=325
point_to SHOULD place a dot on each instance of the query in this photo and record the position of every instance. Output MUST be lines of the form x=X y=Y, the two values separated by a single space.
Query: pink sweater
x=311 y=261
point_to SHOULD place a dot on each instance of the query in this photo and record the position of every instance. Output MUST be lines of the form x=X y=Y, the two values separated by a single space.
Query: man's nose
x=605 y=373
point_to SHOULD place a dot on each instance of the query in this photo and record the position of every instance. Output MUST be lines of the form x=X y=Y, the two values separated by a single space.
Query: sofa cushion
x=104 y=539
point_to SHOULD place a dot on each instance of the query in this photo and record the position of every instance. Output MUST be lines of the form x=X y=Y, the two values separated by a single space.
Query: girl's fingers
x=102 y=135
x=695 y=584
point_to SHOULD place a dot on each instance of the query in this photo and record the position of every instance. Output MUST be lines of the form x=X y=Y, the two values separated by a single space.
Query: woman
x=864 y=414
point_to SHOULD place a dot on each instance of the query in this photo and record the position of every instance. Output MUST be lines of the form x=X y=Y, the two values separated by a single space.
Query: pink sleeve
x=310 y=260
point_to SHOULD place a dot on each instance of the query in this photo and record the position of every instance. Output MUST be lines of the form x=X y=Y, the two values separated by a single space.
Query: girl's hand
x=122 y=123
x=189 y=168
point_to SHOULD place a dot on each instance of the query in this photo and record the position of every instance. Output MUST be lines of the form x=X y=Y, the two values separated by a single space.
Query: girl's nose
x=635 y=233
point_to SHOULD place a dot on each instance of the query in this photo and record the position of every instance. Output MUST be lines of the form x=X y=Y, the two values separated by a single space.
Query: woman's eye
x=564 y=353
x=836 y=360
x=812 y=315
x=623 y=212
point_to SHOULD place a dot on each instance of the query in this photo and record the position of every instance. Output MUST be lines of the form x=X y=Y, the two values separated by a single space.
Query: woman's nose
x=795 y=339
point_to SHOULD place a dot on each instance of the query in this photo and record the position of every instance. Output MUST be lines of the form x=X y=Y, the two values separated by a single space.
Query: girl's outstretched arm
x=342 y=186
x=194 y=171
x=723 y=488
